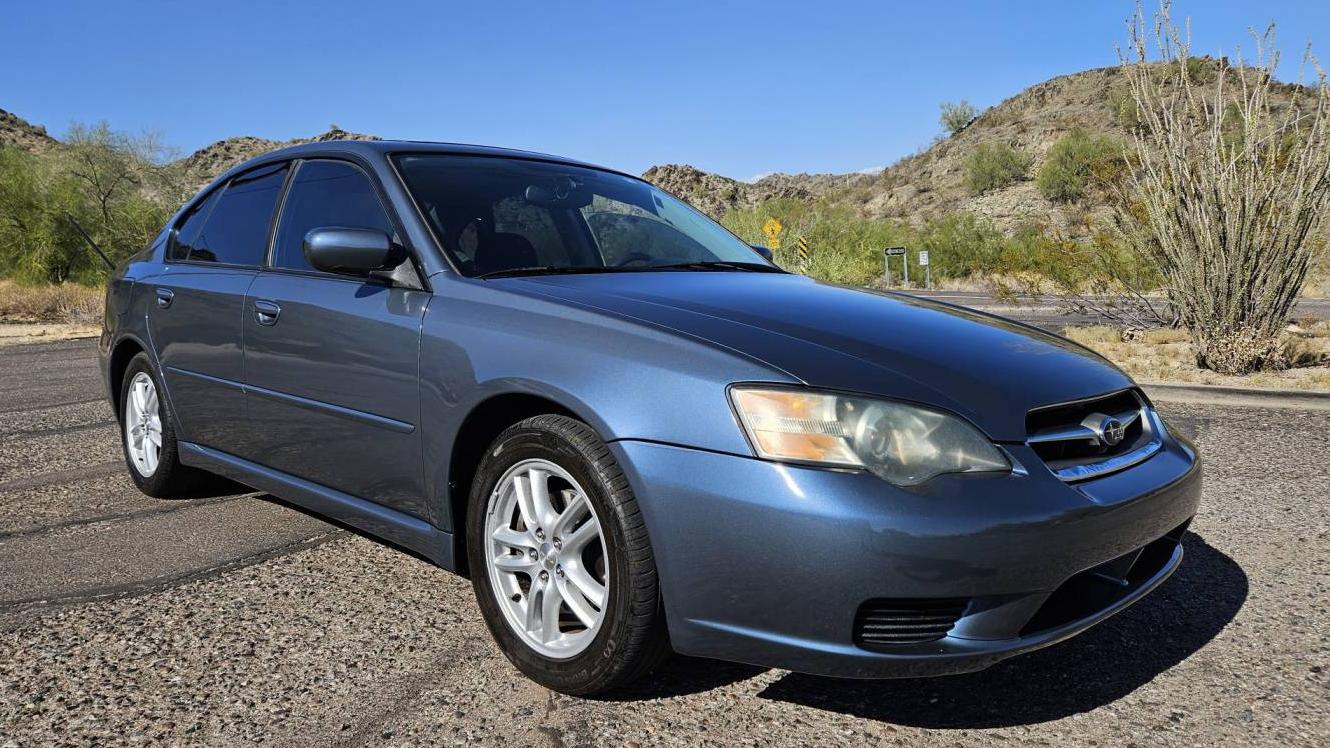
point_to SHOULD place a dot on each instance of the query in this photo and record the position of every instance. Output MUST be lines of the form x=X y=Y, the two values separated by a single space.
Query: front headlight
x=902 y=444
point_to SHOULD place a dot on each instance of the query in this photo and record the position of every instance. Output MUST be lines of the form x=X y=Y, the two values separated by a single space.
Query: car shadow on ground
x=1095 y=668
x=1099 y=666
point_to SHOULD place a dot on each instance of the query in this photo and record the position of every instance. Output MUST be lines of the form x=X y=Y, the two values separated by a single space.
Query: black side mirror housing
x=351 y=251
x=764 y=251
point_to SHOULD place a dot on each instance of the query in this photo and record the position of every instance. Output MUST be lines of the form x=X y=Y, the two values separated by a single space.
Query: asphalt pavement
x=233 y=618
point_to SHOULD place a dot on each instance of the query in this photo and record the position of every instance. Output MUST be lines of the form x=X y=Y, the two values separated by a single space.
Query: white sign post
x=928 y=272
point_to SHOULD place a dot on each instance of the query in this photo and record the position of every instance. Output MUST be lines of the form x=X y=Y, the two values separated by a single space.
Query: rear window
x=236 y=230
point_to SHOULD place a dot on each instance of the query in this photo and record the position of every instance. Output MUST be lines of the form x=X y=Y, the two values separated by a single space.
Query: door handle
x=266 y=312
x=164 y=297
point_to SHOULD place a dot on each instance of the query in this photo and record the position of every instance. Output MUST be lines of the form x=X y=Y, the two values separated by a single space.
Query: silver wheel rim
x=143 y=425
x=547 y=558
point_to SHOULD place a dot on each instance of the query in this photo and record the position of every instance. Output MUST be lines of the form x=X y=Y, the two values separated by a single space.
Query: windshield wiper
x=751 y=267
x=701 y=265
x=547 y=270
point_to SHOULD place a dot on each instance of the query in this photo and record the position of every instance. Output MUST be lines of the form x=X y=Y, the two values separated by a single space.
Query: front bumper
x=767 y=564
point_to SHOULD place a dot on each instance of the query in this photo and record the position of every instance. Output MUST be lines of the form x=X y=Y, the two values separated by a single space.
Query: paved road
x=231 y=619
x=1050 y=313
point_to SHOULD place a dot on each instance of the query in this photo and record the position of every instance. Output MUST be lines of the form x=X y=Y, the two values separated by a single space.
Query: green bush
x=1076 y=163
x=957 y=115
x=112 y=184
x=992 y=166
x=844 y=247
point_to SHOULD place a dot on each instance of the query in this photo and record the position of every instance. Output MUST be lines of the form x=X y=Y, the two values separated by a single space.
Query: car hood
x=985 y=368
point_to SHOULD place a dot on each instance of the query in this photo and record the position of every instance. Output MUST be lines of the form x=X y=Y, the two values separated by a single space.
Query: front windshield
x=500 y=216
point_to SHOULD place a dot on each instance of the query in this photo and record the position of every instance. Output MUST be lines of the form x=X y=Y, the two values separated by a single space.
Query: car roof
x=382 y=148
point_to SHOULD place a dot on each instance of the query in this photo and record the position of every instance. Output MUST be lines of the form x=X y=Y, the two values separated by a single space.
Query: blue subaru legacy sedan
x=631 y=430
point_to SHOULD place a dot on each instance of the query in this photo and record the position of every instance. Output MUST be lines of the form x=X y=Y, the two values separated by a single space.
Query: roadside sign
x=891 y=252
x=803 y=249
x=772 y=229
x=923 y=258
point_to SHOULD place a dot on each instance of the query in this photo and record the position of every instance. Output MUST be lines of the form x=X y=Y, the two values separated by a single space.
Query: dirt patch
x=1169 y=356
x=15 y=333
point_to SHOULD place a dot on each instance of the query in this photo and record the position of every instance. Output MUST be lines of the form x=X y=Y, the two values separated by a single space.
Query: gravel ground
x=234 y=619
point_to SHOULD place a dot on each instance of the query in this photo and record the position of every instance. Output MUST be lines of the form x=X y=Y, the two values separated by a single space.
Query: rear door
x=197 y=302
x=332 y=361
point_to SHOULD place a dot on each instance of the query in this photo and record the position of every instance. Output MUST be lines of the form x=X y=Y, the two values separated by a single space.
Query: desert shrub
x=115 y=186
x=1125 y=111
x=992 y=166
x=962 y=244
x=957 y=115
x=1077 y=162
x=844 y=247
x=1229 y=202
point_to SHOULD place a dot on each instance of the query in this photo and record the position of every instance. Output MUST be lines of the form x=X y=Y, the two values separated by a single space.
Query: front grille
x=885 y=623
x=1082 y=440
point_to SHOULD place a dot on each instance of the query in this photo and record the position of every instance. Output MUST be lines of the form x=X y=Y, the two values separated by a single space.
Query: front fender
x=625 y=379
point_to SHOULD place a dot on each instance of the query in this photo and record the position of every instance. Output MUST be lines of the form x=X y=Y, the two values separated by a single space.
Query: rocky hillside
x=14 y=130
x=208 y=162
x=932 y=182
x=200 y=167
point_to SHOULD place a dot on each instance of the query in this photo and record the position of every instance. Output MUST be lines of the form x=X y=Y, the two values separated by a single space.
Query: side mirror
x=764 y=251
x=351 y=251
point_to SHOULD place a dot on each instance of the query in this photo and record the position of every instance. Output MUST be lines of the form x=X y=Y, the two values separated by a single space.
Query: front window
x=498 y=216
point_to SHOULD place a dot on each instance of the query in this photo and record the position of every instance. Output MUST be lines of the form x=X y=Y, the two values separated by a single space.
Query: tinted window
x=187 y=233
x=236 y=232
x=326 y=194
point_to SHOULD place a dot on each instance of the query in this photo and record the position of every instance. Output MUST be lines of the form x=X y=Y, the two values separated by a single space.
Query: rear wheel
x=560 y=560
x=148 y=435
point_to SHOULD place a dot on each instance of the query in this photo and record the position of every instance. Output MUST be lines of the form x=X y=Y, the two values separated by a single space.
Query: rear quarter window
x=189 y=228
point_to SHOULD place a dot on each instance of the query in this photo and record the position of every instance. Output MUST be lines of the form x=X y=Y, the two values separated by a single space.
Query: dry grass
x=16 y=333
x=1167 y=355
x=66 y=303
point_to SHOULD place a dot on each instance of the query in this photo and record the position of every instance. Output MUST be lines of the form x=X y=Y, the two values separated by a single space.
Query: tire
x=165 y=477
x=629 y=638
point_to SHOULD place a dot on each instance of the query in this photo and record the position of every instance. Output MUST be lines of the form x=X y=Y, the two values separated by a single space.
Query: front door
x=332 y=362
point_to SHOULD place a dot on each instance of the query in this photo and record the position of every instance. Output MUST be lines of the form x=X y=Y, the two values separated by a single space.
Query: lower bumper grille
x=885 y=623
x=1095 y=589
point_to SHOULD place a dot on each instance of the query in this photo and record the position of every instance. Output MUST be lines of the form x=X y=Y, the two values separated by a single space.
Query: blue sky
x=741 y=88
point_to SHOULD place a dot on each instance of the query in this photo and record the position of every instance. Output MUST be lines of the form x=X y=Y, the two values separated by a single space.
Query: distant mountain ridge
x=210 y=161
x=915 y=189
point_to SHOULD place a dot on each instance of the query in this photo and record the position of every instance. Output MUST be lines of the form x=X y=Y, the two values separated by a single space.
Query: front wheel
x=560 y=560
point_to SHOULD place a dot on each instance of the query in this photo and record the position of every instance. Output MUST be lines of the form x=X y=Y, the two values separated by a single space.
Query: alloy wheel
x=143 y=424
x=547 y=560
